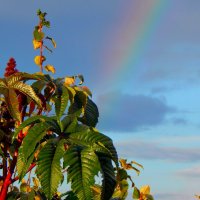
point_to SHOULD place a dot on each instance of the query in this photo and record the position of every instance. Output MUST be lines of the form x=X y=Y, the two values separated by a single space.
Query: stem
x=10 y=170
x=41 y=58
x=7 y=180
x=6 y=184
x=41 y=48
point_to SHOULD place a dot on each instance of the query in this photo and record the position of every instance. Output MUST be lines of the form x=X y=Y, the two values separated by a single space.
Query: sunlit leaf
x=69 y=81
x=50 y=68
x=37 y=44
x=145 y=189
x=13 y=105
x=133 y=162
x=128 y=166
x=36 y=182
x=39 y=60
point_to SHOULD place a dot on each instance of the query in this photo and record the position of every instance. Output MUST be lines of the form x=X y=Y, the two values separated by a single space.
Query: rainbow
x=138 y=22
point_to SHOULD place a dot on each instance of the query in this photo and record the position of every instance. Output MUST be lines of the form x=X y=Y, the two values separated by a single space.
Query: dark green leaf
x=91 y=114
x=109 y=180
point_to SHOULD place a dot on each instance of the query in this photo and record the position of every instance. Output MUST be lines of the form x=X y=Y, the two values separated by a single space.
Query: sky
x=141 y=60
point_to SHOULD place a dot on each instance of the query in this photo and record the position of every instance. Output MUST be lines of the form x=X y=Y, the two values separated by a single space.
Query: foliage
x=49 y=124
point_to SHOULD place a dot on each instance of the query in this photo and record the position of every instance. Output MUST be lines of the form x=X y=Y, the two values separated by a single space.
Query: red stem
x=6 y=184
x=8 y=181
x=10 y=170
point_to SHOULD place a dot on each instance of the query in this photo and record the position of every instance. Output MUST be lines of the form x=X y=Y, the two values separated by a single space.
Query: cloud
x=180 y=121
x=192 y=172
x=153 y=151
x=173 y=196
x=129 y=112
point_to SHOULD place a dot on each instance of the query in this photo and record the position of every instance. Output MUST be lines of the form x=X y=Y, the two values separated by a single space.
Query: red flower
x=10 y=69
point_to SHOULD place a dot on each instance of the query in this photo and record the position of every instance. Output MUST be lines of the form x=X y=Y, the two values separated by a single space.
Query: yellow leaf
x=25 y=130
x=36 y=182
x=133 y=162
x=39 y=60
x=37 y=44
x=50 y=68
x=28 y=189
x=53 y=42
x=124 y=164
x=145 y=189
x=69 y=81
x=37 y=197
x=23 y=180
x=96 y=190
x=58 y=193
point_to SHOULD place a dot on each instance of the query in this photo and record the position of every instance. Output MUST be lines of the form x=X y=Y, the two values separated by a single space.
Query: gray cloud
x=129 y=112
x=153 y=151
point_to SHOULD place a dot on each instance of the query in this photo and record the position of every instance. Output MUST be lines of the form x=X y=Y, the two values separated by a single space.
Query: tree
x=48 y=124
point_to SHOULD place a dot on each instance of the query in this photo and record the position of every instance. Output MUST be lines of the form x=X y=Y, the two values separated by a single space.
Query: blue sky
x=149 y=103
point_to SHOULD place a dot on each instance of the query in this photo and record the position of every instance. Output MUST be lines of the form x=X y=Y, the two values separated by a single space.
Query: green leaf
x=83 y=166
x=69 y=196
x=66 y=121
x=91 y=114
x=35 y=134
x=12 y=104
x=26 y=90
x=31 y=195
x=22 y=164
x=38 y=35
x=80 y=100
x=122 y=174
x=13 y=195
x=38 y=85
x=49 y=170
x=2 y=83
x=109 y=180
x=34 y=120
x=149 y=197
x=72 y=93
x=136 y=193
x=46 y=23
x=95 y=140
x=61 y=101
x=23 y=187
